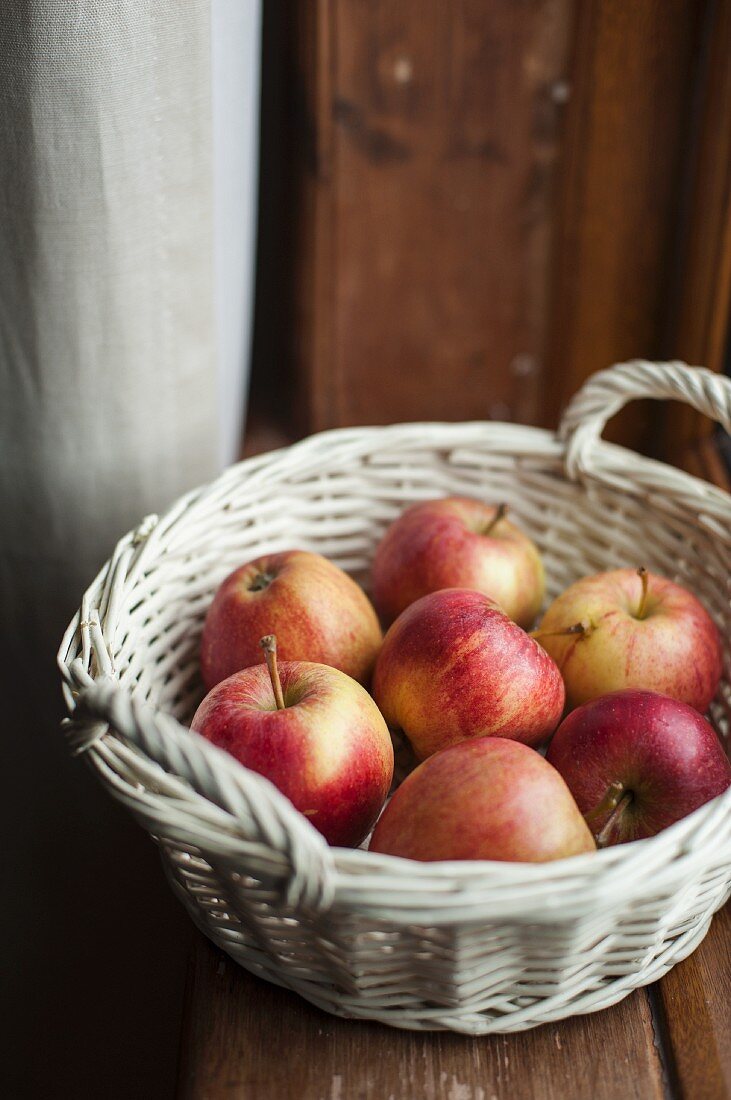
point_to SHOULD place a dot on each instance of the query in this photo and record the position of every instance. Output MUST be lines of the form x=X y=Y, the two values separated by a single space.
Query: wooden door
x=469 y=207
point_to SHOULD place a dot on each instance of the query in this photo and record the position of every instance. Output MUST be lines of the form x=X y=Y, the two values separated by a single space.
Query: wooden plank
x=421 y=246
x=623 y=169
x=696 y=998
x=466 y=209
x=700 y=314
x=247 y=1039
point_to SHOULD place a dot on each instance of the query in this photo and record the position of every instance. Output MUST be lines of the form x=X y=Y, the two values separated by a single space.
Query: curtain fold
x=108 y=411
x=236 y=52
x=106 y=311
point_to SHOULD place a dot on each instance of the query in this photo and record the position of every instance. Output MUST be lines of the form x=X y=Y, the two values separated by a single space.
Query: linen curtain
x=127 y=198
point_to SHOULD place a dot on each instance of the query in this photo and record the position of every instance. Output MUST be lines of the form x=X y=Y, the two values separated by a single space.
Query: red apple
x=311 y=730
x=636 y=761
x=457 y=543
x=454 y=666
x=632 y=629
x=488 y=798
x=316 y=610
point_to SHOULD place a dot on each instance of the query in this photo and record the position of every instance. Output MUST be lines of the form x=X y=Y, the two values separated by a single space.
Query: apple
x=454 y=666
x=457 y=542
x=632 y=629
x=488 y=798
x=316 y=610
x=314 y=732
x=637 y=761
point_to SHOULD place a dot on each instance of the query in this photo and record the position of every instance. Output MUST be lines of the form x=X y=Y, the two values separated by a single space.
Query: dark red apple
x=311 y=730
x=637 y=761
x=488 y=798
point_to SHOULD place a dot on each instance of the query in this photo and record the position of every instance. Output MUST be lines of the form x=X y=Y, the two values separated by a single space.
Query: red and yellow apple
x=457 y=542
x=454 y=666
x=637 y=761
x=314 y=732
x=317 y=612
x=632 y=629
x=488 y=798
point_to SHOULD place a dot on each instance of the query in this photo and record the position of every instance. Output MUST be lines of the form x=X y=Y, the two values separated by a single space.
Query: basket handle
x=266 y=824
x=607 y=391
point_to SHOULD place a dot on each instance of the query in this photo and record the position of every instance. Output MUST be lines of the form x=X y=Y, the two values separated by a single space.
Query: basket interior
x=340 y=509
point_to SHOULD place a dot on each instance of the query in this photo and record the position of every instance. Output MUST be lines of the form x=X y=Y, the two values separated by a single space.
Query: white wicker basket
x=474 y=947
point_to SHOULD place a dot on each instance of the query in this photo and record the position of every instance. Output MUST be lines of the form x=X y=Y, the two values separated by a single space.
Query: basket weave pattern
x=474 y=947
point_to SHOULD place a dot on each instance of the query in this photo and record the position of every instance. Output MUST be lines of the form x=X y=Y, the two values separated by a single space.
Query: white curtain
x=127 y=198
x=236 y=39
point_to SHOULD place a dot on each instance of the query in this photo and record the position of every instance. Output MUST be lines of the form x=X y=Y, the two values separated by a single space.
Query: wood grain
x=700 y=308
x=696 y=997
x=246 y=1039
x=468 y=208
x=424 y=170
x=627 y=125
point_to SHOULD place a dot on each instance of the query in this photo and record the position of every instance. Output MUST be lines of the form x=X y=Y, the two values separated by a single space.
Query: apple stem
x=602 y=837
x=500 y=513
x=644 y=577
x=615 y=790
x=577 y=628
x=269 y=645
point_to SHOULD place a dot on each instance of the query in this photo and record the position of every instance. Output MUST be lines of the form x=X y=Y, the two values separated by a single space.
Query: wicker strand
x=606 y=392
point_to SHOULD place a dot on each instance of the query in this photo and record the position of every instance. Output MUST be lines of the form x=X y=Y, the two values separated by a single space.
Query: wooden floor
x=245 y=1038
